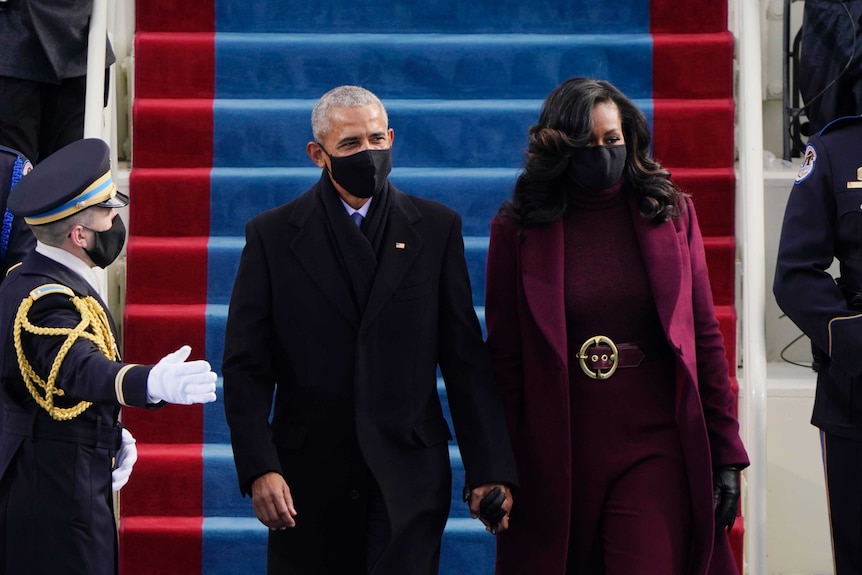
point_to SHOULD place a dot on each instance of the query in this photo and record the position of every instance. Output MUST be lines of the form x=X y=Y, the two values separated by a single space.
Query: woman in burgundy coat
x=608 y=355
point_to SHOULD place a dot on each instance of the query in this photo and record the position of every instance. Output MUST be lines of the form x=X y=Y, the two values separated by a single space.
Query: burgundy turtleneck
x=607 y=290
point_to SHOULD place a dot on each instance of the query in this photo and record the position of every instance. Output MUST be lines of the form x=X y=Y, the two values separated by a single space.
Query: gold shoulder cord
x=94 y=326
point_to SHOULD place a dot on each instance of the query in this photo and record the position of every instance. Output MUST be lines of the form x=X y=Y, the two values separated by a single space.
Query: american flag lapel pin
x=400 y=245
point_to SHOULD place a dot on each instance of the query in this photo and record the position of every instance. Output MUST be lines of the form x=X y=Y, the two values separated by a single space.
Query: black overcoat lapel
x=313 y=248
x=402 y=244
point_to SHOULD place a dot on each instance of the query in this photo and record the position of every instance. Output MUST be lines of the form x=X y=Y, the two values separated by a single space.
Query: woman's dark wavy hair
x=566 y=123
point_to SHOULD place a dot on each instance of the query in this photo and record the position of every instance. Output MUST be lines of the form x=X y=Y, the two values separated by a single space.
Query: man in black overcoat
x=341 y=320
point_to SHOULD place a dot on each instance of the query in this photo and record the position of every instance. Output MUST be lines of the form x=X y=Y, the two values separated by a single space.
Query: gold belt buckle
x=584 y=355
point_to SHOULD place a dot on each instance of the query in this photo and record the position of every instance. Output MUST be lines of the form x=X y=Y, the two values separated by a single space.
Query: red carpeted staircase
x=223 y=93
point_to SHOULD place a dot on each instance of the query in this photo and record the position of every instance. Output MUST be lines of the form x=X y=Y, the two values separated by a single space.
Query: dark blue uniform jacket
x=822 y=223
x=55 y=475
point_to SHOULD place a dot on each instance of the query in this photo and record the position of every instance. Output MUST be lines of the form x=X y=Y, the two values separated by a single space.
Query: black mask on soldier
x=597 y=168
x=362 y=174
x=108 y=244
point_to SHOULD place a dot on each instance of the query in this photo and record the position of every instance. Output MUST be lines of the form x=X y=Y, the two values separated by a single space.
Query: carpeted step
x=224 y=199
x=210 y=265
x=429 y=133
x=151 y=545
x=148 y=491
x=170 y=270
x=237 y=545
x=574 y=16
x=414 y=16
x=146 y=339
x=186 y=190
x=712 y=192
x=208 y=471
x=427 y=66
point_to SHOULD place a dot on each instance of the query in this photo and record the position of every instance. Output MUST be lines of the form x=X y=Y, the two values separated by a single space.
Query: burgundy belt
x=600 y=357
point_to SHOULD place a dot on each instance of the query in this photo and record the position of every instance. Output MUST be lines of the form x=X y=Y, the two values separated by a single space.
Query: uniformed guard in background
x=16 y=239
x=822 y=223
x=62 y=449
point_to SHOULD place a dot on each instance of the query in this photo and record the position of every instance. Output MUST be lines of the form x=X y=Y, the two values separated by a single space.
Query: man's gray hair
x=341 y=97
x=55 y=233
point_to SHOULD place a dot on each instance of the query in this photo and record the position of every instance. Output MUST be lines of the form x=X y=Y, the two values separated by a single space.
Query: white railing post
x=95 y=95
x=96 y=46
x=750 y=235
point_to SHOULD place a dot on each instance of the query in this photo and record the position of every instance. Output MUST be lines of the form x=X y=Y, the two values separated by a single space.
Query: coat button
x=354 y=494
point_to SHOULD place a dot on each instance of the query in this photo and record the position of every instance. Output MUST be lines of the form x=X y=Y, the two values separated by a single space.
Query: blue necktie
x=357 y=219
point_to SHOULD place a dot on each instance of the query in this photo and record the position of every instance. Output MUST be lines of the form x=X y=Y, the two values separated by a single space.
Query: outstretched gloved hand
x=725 y=481
x=124 y=461
x=176 y=380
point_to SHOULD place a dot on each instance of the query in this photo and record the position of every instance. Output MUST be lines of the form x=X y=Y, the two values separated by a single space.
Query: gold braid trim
x=94 y=326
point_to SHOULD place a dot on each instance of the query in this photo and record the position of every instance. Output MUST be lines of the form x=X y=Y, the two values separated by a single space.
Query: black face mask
x=597 y=167
x=362 y=174
x=107 y=245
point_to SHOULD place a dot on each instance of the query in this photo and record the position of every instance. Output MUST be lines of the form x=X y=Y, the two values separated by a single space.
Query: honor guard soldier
x=62 y=382
x=822 y=223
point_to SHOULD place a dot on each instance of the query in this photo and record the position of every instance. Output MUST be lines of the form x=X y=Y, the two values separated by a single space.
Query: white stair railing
x=746 y=17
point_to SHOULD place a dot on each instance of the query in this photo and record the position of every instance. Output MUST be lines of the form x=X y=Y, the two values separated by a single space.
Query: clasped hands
x=491 y=504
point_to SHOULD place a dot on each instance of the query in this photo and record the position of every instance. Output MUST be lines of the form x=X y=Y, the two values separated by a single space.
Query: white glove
x=124 y=461
x=176 y=380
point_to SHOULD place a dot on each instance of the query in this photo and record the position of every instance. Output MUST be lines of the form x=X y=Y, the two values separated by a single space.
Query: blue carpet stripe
x=223 y=262
x=221 y=490
x=238 y=194
x=233 y=545
x=216 y=431
x=216 y=319
x=428 y=133
x=417 y=66
x=419 y=16
x=467 y=548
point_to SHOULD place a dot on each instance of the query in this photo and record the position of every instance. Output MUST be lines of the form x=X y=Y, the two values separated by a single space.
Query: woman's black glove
x=725 y=482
